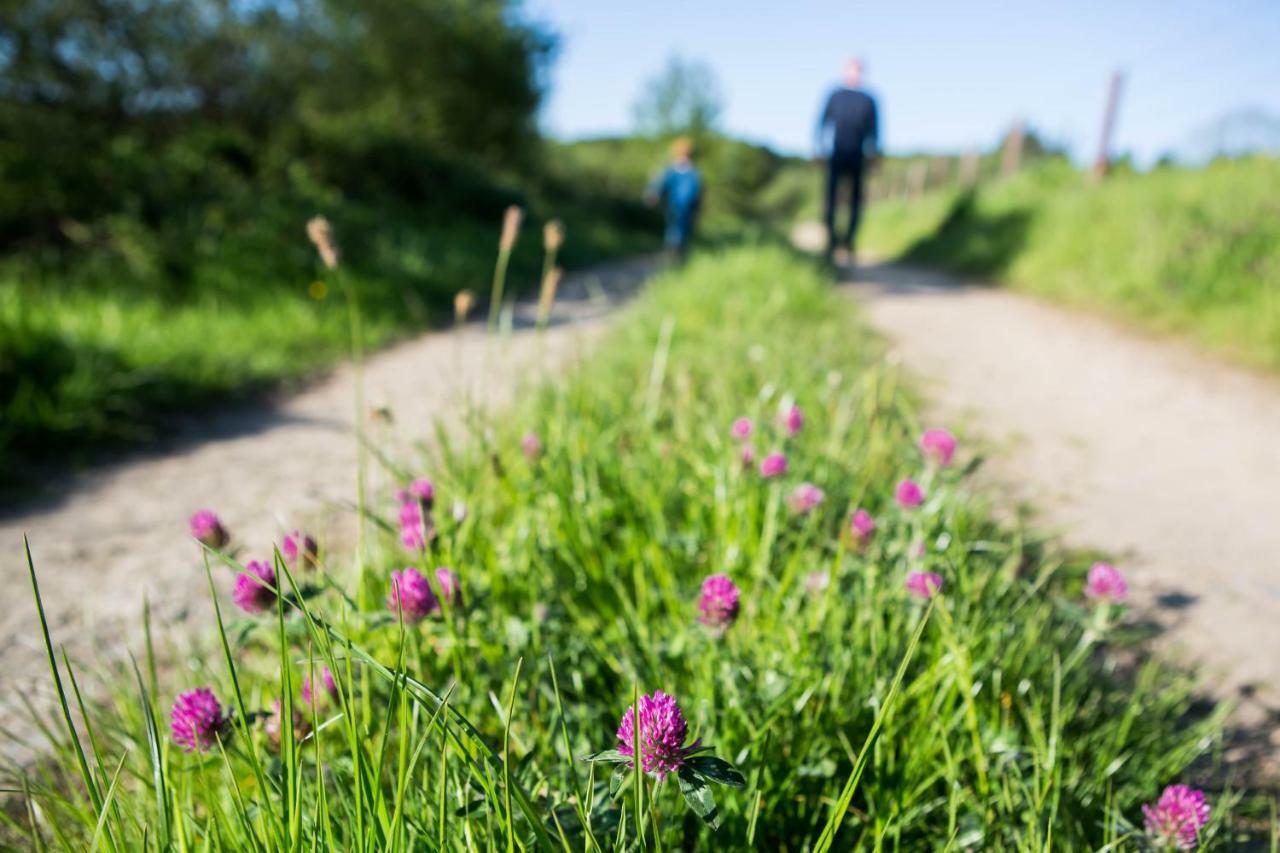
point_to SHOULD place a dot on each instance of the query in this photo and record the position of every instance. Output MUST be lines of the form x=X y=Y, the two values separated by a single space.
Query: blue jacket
x=680 y=189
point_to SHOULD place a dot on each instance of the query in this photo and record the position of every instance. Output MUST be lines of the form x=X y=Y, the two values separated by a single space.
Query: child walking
x=679 y=188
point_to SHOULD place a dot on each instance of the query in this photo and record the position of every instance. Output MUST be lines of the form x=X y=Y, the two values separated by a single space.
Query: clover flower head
x=773 y=465
x=741 y=428
x=661 y=735
x=416 y=527
x=197 y=720
x=531 y=445
x=909 y=495
x=719 y=601
x=273 y=726
x=411 y=595
x=207 y=529
x=299 y=549
x=862 y=526
x=792 y=419
x=326 y=679
x=938 y=446
x=420 y=490
x=1177 y=817
x=748 y=454
x=806 y=498
x=1105 y=583
x=450 y=586
x=255 y=590
x=924 y=585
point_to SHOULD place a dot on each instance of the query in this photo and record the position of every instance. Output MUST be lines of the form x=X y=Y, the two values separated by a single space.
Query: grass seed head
x=510 y=228
x=320 y=232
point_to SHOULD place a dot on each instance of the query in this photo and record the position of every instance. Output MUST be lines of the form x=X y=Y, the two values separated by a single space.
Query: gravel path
x=1160 y=456
x=120 y=532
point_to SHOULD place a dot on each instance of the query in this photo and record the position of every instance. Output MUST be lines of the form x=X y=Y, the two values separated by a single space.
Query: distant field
x=1191 y=252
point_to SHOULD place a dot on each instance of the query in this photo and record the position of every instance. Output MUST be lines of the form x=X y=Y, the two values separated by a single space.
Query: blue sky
x=949 y=74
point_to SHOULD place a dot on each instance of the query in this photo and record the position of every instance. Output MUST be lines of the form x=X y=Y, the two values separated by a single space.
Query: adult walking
x=849 y=139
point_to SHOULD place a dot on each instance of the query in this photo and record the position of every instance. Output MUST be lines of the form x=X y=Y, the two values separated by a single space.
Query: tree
x=684 y=97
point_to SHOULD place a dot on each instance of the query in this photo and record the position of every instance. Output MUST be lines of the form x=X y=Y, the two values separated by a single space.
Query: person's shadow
x=972 y=241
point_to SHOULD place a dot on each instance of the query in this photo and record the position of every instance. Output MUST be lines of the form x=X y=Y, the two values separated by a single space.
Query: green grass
x=1007 y=714
x=102 y=349
x=1183 y=251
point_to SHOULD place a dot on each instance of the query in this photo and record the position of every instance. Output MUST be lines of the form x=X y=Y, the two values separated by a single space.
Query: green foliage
x=1189 y=251
x=154 y=109
x=93 y=354
x=1000 y=716
x=740 y=178
x=682 y=98
x=158 y=160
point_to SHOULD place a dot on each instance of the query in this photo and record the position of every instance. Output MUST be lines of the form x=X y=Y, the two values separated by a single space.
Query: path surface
x=121 y=531
x=1152 y=452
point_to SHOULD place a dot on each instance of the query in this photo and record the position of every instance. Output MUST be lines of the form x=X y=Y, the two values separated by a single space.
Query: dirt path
x=1143 y=448
x=121 y=531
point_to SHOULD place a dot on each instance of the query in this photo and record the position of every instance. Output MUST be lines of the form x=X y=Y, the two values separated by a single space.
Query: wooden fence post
x=1102 y=163
x=1012 y=159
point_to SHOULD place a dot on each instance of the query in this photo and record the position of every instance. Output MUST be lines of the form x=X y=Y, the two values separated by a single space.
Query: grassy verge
x=1174 y=250
x=997 y=714
x=105 y=348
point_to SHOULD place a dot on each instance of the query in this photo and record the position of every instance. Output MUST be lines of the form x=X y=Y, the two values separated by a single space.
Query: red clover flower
x=924 y=585
x=299 y=549
x=450 y=586
x=197 y=720
x=719 y=602
x=938 y=446
x=792 y=419
x=207 y=529
x=1105 y=583
x=411 y=594
x=1177 y=817
x=909 y=495
x=806 y=498
x=662 y=734
x=255 y=587
x=861 y=527
x=773 y=465
x=326 y=679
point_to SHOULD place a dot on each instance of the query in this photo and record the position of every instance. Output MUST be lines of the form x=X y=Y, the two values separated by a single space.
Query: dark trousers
x=843 y=169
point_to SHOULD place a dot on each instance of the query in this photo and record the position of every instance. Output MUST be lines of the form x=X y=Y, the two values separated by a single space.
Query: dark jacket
x=850 y=118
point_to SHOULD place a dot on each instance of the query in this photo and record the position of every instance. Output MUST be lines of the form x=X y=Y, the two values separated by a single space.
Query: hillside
x=1175 y=250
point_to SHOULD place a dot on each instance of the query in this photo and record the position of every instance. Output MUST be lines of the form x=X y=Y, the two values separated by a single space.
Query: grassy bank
x=1001 y=713
x=1183 y=251
x=104 y=345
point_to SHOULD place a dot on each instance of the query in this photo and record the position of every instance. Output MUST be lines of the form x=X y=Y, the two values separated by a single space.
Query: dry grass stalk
x=320 y=232
x=463 y=302
x=510 y=228
x=547 y=297
x=553 y=236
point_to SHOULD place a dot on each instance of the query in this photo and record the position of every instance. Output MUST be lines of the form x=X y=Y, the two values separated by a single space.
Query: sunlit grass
x=1187 y=251
x=995 y=715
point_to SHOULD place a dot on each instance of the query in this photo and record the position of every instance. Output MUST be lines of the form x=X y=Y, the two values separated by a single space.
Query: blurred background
x=159 y=158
